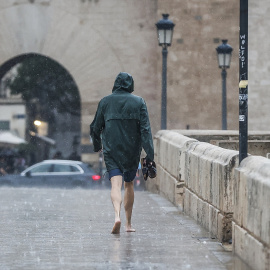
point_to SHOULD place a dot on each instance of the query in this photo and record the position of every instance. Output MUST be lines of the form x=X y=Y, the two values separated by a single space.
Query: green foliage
x=45 y=83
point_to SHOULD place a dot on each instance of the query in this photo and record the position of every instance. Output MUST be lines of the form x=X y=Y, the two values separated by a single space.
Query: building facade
x=13 y=117
x=96 y=39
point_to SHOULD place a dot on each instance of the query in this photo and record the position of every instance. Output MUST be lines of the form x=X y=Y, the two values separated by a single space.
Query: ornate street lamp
x=165 y=33
x=224 y=53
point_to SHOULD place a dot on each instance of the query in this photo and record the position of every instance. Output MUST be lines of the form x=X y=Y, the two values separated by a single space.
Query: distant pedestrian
x=122 y=120
x=19 y=164
x=58 y=155
x=2 y=166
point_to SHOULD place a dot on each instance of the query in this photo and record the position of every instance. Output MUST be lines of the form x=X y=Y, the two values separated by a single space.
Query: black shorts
x=128 y=176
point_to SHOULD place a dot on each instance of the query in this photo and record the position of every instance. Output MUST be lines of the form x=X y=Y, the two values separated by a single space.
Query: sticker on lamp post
x=243 y=97
x=241 y=118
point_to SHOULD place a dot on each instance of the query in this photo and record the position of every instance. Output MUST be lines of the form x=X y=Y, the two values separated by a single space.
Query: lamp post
x=243 y=81
x=165 y=33
x=224 y=53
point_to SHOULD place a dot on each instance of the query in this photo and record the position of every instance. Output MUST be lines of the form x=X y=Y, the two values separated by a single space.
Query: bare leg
x=128 y=203
x=116 y=197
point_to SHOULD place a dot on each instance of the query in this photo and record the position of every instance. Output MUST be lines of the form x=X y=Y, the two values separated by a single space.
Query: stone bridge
x=206 y=182
x=94 y=40
x=204 y=198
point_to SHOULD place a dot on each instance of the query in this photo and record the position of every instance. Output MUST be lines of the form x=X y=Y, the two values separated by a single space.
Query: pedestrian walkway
x=50 y=228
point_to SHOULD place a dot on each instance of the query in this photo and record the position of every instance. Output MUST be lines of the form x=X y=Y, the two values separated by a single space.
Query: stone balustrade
x=206 y=182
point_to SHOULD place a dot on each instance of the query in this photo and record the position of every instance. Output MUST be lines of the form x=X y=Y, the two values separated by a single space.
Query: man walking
x=122 y=122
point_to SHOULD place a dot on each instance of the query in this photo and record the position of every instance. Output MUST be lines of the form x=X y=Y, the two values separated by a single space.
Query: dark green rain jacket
x=122 y=122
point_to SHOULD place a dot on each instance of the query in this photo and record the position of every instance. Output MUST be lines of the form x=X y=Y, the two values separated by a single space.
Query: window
x=64 y=168
x=41 y=168
x=75 y=169
x=4 y=125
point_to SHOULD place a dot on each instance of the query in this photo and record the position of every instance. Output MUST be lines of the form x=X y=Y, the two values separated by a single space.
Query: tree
x=46 y=87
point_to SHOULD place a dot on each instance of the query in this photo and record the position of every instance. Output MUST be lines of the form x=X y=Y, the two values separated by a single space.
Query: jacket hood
x=123 y=81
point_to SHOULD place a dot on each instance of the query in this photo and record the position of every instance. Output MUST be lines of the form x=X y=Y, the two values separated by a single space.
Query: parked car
x=66 y=173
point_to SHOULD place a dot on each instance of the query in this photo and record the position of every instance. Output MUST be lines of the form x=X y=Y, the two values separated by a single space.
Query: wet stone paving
x=50 y=228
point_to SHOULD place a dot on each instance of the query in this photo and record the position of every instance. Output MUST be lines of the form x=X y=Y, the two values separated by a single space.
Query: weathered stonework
x=251 y=214
x=228 y=199
x=259 y=67
x=198 y=178
x=194 y=79
x=94 y=40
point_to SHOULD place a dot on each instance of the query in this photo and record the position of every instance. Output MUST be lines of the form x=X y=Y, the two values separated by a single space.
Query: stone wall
x=96 y=39
x=206 y=182
x=258 y=141
x=251 y=218
x=198 y=177
x=194 y=79
x=259 y=82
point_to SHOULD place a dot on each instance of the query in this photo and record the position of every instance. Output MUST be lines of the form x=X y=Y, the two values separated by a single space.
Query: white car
x=55 y=173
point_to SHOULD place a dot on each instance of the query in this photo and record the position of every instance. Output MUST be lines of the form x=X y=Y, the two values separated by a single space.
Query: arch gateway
x=96 y=39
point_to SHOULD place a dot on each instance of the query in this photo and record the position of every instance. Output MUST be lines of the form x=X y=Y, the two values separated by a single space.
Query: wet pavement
x=46 y=228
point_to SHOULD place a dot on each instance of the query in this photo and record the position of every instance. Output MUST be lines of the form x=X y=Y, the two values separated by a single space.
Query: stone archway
x=94 y=40
x=50 y=95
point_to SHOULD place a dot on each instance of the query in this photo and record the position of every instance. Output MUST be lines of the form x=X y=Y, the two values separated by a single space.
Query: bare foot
x=130 y=229
x=116 y=227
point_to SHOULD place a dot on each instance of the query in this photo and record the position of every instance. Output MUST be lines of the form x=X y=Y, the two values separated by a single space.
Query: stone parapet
x=255 y=147
x=221 y=135
x=250 y=249
x=167 y=149
x=206 y=182
x=251 y=211
x=209 y=174
x=197 y=177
